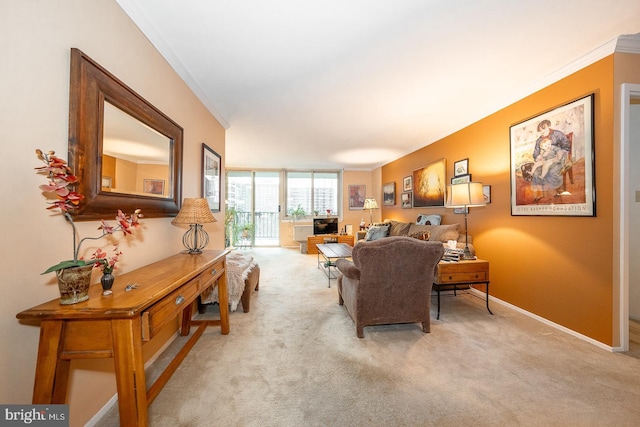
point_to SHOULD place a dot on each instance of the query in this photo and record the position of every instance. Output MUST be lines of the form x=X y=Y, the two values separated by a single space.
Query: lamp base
x=195 y=239
x=467 y=253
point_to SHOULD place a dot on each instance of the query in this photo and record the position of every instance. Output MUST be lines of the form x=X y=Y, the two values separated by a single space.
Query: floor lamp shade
x=194 y=212
x=371 y=204
x=465 y=195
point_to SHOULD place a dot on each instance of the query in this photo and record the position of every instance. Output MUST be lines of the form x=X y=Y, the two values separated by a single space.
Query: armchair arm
x=348 y=268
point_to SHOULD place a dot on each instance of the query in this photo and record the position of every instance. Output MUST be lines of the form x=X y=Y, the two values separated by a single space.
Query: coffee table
x=331 y=252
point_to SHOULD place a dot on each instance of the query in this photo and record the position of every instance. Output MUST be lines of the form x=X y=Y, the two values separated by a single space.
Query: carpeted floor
x=295 y=360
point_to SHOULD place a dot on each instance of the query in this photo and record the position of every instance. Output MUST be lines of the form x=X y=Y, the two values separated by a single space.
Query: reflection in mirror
x=135 y=157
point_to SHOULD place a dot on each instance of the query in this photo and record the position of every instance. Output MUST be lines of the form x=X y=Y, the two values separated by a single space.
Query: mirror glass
x=135 y=157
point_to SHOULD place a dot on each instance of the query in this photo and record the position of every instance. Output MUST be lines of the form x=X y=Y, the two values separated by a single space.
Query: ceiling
x=356 y=84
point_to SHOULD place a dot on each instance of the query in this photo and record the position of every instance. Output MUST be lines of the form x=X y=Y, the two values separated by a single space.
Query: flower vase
x=73 y=283
x=107 y=282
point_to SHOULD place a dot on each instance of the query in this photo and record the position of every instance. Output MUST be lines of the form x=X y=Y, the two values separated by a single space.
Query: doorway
x=253 y=208
x=629 y=291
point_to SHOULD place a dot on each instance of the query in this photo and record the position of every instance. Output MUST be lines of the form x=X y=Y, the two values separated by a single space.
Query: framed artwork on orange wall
x=429 y=185
x=552 y=162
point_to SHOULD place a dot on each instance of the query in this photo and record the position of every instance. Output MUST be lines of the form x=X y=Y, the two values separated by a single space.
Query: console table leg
x=223 y=302
x=52 y=373
x=129 y=365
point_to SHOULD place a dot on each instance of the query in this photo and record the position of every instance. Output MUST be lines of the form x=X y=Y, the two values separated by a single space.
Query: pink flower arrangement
x=60 y=187
x=105 y=263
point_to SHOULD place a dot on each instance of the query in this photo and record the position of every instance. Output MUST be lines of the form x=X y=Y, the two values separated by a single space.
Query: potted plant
x=246 y=231
x=296 y=214
x=74 y=275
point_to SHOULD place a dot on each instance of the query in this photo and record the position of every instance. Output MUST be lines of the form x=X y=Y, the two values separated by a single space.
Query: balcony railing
x=265 y=230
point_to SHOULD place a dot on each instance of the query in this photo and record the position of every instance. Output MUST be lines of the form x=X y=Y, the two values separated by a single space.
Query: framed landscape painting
x=211 y=182
x=552 y=162
x=429 y=185
x=389 y=194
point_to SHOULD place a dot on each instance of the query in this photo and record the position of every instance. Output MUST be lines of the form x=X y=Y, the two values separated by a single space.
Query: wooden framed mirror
x=125 y=152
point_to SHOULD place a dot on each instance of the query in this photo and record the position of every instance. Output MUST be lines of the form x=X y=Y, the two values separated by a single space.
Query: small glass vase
x=107 y=280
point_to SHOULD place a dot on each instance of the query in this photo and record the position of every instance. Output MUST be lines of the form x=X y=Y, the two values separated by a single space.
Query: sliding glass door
x=253 y=204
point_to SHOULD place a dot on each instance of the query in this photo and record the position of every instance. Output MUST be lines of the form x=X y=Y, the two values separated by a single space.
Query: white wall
x=35 y=39
x=634 y=213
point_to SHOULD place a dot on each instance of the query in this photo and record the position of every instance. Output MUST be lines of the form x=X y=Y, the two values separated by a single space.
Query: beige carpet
x=295 y=360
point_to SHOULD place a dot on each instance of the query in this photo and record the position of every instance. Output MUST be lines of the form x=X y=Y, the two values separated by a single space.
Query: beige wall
x=36 y=40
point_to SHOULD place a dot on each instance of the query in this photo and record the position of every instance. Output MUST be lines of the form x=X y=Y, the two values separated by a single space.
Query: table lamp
x=371 y=204
x=465 y=195
x=194 y=212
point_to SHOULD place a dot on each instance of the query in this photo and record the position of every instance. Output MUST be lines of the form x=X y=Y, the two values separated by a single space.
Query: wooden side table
x=462 y=273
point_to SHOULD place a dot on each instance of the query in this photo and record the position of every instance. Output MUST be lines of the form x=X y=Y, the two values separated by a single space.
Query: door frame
x=628 y=91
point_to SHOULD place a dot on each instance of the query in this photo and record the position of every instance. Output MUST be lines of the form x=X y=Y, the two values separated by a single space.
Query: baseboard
x=561 y=328
x=114 y=399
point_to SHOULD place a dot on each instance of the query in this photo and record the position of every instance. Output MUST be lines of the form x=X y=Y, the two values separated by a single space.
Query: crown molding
x=629 y=43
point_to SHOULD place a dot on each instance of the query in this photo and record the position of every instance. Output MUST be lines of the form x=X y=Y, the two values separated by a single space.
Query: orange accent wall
x=559 y=268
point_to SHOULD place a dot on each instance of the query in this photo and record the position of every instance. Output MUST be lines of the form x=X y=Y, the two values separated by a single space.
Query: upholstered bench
x=243 y=277
x=251 y=283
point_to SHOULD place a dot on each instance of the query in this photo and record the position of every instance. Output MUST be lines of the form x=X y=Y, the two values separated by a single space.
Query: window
x=313 y=191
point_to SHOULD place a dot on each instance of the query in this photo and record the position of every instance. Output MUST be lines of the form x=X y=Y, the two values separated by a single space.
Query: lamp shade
x=370 y=203
x=194 y=211
x=465 y=194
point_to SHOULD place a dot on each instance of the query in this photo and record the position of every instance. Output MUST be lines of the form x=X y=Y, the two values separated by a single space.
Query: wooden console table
x=116 y=326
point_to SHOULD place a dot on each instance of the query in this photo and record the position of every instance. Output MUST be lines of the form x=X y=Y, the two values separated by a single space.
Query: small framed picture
x=356 y=197
x=406 y=200
x=464 y=210
x=406 y=183
x=461 y=179
x=486 y=192
x=389 y=194
x=461 y=167
x=106 y=182
x=153 y=186
x=211 y=178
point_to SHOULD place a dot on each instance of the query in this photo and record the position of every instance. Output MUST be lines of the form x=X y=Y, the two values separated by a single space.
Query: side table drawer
x=474 y=276
x=208 y=277
x=462 y=272
x=167 y=309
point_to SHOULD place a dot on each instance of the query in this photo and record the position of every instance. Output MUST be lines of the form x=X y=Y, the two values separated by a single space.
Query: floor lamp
x=465 y=195
x=194 y=212
x=371 y=204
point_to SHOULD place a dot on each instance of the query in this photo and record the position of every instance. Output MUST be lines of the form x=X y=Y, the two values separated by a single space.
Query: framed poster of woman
x=552 y=162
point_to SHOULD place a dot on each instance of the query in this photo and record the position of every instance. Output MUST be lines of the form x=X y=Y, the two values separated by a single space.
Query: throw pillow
x=443 y=233
x=421 y=235
x=428 y=219
x=398 y=228
x=376 y=232
x=439 y=233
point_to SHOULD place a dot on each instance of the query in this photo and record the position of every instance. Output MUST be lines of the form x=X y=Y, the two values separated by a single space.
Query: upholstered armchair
x=389 y=281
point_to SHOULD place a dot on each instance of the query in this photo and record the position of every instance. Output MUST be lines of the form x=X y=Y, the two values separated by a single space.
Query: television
x=325 y=226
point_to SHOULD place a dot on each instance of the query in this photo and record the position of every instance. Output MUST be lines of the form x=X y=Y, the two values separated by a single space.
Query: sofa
x=426 y=227
x=389 y=281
